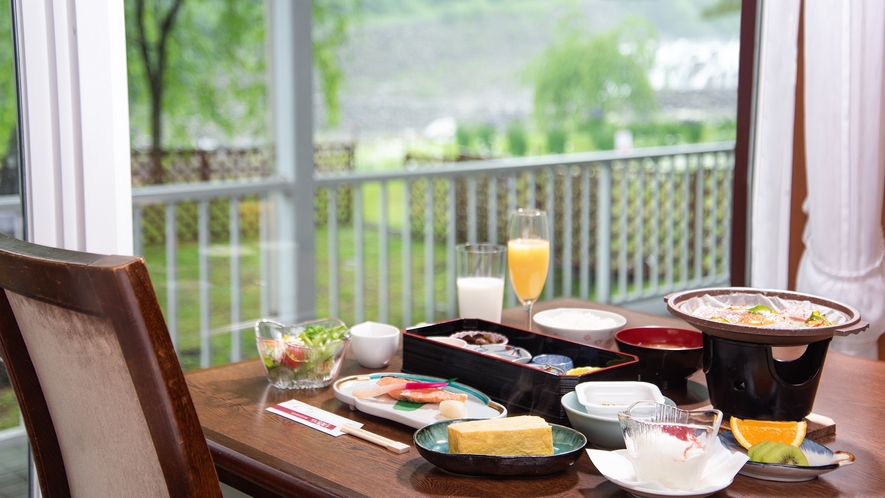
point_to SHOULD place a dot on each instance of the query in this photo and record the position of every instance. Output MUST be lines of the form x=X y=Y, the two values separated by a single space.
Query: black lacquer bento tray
x=518 y=387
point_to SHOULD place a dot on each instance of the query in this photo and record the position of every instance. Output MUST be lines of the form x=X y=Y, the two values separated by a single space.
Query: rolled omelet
x=526 y=435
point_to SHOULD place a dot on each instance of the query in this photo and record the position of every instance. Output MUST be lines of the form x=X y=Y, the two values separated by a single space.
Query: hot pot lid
x=845 y=319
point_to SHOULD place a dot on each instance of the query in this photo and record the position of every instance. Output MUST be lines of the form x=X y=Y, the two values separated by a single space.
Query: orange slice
x=750 y=432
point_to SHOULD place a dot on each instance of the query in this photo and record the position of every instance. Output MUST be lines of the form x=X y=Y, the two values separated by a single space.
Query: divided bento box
x=518 y=386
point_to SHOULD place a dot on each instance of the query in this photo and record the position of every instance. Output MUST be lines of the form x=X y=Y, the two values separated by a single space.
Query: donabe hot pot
x=744 y=378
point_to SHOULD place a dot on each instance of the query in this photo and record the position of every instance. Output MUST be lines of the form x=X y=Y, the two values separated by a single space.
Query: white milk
x=481 y=297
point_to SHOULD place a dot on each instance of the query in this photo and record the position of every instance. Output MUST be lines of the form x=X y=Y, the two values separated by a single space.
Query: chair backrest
x=102 y=394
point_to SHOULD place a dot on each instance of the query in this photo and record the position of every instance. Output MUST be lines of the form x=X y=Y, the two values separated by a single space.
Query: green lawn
x=9 y=412
x=188 y=289
x=188 y=302
x=372 y=204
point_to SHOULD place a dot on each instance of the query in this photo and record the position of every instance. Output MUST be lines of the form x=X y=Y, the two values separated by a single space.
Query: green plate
x=432 y=442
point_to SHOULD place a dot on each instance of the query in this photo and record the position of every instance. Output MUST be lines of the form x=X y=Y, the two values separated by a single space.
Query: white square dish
x=606 y=399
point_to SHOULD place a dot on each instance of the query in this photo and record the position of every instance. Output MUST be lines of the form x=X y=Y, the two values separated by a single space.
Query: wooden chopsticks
x=390 y=444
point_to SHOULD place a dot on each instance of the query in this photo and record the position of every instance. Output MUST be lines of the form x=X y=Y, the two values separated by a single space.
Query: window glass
x=424 y=79
x=13 y=440
x=427 y=84
x=408 y=86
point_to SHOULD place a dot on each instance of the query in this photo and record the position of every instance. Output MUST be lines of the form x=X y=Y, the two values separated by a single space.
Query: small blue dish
x=432 y=442
x=556 y=360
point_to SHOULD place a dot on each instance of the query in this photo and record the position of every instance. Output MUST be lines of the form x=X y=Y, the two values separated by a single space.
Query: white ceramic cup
x=373 y=343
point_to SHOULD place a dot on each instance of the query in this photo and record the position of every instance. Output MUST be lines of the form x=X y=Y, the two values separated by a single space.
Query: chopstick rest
x=390 y=444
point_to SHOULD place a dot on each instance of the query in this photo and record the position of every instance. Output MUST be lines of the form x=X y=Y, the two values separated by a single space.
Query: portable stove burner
x=743 y=377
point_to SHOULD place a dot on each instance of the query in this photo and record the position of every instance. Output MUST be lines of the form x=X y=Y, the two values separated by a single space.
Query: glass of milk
x=481 y=280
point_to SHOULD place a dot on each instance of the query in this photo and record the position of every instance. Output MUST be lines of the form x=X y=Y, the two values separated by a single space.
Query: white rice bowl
x=587 y=326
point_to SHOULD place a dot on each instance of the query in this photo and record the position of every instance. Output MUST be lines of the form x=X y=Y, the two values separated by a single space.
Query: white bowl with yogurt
x=587 y=326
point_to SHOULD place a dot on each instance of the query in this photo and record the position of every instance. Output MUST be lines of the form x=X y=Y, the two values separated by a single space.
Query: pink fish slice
x=371 y=392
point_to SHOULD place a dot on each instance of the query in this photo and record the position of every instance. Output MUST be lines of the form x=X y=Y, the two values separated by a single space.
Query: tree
x=331 y=19
x=580 y=77
x=197 y=64
x=8 y=104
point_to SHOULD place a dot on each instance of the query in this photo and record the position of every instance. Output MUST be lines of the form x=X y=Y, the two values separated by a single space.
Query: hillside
x=407 y=70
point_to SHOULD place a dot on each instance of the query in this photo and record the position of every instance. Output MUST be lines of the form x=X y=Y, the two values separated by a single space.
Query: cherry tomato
x=292 y=356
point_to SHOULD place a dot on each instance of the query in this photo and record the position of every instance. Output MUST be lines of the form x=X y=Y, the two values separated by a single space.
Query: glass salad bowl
x=305 y=355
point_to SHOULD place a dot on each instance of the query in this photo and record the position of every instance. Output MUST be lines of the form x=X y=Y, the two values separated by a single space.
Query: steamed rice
x=577 y=320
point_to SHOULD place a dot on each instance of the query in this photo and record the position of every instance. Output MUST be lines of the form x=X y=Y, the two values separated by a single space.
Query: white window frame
x=74 y=113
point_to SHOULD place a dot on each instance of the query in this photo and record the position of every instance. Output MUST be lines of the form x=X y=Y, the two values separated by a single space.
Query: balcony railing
x=624 y=228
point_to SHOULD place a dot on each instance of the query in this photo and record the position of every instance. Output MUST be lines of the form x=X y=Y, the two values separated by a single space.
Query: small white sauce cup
x=373 y=343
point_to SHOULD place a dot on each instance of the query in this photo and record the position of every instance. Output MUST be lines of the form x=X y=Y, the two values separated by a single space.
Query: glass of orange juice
x=528 y=256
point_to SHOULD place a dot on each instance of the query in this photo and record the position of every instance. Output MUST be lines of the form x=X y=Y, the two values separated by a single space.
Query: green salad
x=309 y=354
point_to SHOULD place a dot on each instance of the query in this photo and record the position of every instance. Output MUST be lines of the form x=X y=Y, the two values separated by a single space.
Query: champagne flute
x=528 y=256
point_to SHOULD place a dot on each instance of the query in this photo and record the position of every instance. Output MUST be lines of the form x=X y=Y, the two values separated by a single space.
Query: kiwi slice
x=779 y=453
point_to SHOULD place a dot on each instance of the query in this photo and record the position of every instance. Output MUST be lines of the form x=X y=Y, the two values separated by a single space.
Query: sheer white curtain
x=845 y=156
x=773 y=151
x=845 y=148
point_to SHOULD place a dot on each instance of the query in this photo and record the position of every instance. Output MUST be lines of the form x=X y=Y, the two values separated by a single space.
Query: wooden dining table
x=264 y=454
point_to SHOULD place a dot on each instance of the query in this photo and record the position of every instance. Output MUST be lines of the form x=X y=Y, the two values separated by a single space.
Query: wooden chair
x=100 y=388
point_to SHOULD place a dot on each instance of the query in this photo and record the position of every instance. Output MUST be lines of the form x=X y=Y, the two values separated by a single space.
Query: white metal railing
x=11 y=222
x=171 y=197
x=628 y=228
x=678 y=196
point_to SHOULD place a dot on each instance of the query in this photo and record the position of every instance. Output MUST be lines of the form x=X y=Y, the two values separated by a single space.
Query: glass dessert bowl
x=667 y=444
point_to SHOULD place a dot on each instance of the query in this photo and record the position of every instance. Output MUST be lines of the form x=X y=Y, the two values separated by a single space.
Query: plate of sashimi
x=414 y=400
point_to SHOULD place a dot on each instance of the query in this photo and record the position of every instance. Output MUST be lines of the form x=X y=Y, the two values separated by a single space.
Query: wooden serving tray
x=520 y=388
